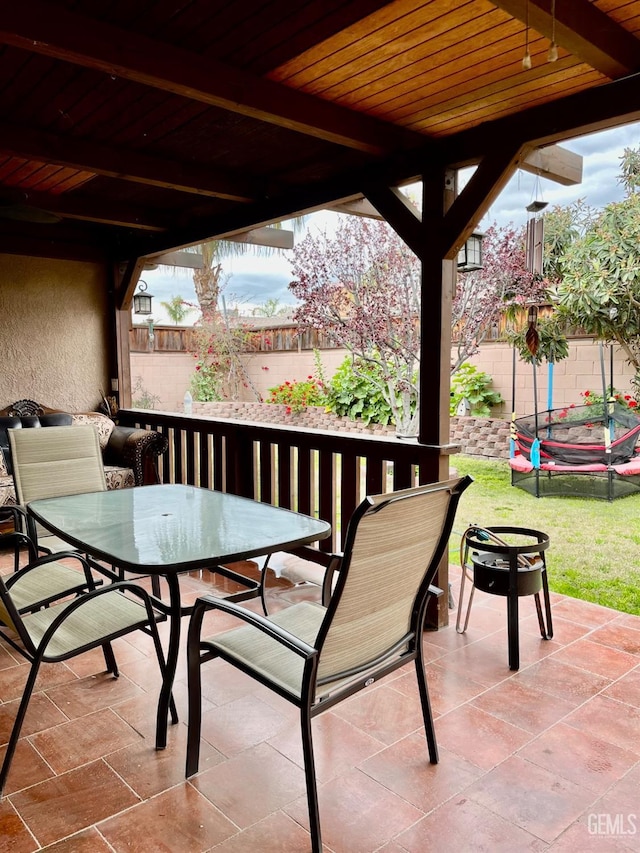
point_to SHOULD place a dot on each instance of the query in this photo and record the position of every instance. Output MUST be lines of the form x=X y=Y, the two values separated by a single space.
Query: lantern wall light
x=470 y=255
x=142 y=299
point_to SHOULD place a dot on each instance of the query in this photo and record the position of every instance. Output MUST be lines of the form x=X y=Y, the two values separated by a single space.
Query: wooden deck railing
x=320 y=473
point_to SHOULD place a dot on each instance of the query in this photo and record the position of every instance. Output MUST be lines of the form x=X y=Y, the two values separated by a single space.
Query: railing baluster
x=241 y=457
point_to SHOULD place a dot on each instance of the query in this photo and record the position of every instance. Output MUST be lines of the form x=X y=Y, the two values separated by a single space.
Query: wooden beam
x=555 y=164
x=484 y=186
x=70 y=206
x=128 y=283
x=225 y=226
x=583 y=30
x=54 y=31
x=276 y=238
x=273 y=238
x=358 y=207
x=127 y=165
x=398 y=211
x=186 y=260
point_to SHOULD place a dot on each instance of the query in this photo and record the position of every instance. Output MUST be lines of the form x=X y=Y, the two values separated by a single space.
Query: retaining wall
x=487 y=437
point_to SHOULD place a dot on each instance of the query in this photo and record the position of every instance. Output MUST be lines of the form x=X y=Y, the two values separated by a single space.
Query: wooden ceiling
x=130 y=128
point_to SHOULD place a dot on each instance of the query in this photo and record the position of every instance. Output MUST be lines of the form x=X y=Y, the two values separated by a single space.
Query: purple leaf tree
x=361 y=287
x=482 y=296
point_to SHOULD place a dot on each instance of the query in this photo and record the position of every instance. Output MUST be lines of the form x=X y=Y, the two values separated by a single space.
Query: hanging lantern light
x=470 y=255
x=142 y=299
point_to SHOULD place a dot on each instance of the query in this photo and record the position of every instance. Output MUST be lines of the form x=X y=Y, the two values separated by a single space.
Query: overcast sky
x=253 y=280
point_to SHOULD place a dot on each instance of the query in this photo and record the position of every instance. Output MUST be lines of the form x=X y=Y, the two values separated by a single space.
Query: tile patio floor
x=547 y=758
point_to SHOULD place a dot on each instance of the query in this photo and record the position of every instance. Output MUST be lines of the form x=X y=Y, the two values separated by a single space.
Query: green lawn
x=595 y=545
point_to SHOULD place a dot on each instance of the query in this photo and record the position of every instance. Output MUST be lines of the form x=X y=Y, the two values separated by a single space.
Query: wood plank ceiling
x=129 y=129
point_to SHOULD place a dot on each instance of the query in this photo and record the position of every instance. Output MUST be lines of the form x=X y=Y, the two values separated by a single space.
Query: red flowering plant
x=299 y=394
x=591 y=398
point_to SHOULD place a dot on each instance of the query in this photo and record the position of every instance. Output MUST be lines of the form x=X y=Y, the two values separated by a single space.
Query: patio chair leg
x=310 y=776
x=426 y=710
x=110 y=660
x=17 y=725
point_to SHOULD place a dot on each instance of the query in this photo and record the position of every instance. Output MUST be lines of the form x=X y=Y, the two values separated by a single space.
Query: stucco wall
x=53 y=332
x=167 y=375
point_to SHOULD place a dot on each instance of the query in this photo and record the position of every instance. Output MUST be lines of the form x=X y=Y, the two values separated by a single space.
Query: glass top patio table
x=171 y=528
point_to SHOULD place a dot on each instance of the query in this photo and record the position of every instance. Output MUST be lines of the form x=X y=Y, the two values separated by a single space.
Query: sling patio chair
x=314 y=655
x=54 y=462
x=70 y=627
x=51 y=462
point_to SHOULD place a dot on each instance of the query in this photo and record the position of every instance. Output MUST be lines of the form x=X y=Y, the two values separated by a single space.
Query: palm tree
x=177 y=309
x=208 y=279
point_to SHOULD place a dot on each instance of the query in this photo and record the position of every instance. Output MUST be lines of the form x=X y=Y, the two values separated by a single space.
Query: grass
x=595 y=545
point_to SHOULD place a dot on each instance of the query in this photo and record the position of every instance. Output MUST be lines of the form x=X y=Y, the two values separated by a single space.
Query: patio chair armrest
x=262 y=623
x=137 y=449
x=82 y=600
x=48 y=558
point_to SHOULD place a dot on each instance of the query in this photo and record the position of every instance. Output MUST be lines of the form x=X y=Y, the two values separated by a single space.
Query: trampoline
x=580 y=451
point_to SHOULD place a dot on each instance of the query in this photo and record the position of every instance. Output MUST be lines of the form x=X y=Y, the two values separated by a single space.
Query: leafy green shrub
x=351 y=393
x=205 y=383
x=473 y=385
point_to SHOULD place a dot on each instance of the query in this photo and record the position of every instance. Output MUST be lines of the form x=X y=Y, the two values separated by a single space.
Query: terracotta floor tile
x=250 y=786
x=177 y=821
x=467 y=826
x=149 y=771
x=74 y=801
x=357 y=815
x=91 y=663
x=532 y=798
x=613 y=721
x=8 y=657
x=618 y=637
x=239 y=725
x=622 y=799
x=523 y=706
x=562 y=680
x=383 y=713
x=484 y=662
x=597 y=658
x=27 y=768
x=83 y=740
x=569 y=717
x=447 y=688
x=277 y=833
x=337 y=745
x=405 y=769
x=41 y=714
x=13 y=679
x=580 y=757
x=478 y=737
x=87 y=841
x=583 y=612
x=626 y=689
x=92 y=693
x=14 y=835
x=587 y=838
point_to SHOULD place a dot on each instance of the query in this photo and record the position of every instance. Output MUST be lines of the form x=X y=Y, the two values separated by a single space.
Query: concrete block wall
x=580 y=371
